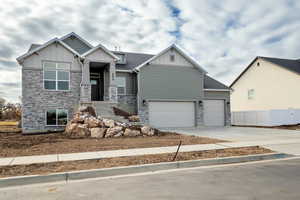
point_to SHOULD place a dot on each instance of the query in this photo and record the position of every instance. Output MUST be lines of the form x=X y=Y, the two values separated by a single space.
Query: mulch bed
x=16 y=144
x=46 y=168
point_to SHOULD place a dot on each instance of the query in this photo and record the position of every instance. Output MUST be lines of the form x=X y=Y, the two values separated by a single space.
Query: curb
x=96 y=173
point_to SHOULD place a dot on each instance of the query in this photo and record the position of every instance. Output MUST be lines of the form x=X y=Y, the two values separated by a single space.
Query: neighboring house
x=169 y=89
x=267 y=93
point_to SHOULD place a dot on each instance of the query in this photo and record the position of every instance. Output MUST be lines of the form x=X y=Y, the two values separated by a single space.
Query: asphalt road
x=263 y=180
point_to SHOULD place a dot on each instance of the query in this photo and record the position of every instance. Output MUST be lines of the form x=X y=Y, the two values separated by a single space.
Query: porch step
x=105 y=110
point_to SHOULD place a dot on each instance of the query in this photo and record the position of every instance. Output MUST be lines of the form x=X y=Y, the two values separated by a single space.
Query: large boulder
x=98 y=132
x=111 y=132
x=109 y=123
x=134 y=118
x=92 y=122
x=147 y=130
x=131 y=132
x=70 y=128
x=82 y=130
x=78 y=118
x=88 y=110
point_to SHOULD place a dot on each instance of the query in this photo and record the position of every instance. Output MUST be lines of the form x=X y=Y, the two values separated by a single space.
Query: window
x=121 y=84
x=122 y=58
x=56 y=76
x=56 y=117
x=172 y=57
x=250 y=94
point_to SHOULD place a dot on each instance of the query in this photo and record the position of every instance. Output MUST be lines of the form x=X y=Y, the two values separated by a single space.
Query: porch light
x=200 y=103
x=144 y=102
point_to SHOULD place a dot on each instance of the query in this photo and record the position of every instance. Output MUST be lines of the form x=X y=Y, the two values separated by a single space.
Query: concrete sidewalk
x=134 y=152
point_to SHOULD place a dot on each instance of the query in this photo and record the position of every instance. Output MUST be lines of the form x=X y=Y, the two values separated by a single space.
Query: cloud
x=224 y=36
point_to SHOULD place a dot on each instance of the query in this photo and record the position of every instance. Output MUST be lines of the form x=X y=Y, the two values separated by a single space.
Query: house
x=267 y=93
x=169 y=89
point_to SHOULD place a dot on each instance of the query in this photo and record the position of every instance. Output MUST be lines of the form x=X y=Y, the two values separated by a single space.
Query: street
x=260 y=180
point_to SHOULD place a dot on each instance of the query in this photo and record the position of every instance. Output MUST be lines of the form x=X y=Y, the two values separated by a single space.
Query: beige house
x=267 y=93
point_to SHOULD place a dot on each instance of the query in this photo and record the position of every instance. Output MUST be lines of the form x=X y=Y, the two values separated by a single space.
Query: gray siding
x=170 y=82
x=77 y=44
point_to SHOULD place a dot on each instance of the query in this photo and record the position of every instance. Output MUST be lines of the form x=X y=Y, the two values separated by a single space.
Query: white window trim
x=122 y=86
x=56 y=116
x=56 y=72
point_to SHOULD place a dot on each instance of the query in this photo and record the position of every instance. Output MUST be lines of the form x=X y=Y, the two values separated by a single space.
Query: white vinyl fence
x=266 y=117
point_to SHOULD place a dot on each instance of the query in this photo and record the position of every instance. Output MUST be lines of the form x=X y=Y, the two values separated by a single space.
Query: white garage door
x=172 y=114
x=214 y=113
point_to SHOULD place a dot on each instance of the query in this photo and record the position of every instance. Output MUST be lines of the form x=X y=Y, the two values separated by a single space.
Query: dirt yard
x=15 y=144
x=46 y=168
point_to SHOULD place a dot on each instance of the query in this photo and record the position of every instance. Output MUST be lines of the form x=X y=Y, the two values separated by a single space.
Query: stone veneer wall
x=36 y=100
x=128 y=103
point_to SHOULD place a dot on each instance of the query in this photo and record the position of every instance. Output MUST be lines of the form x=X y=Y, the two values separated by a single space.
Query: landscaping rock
x=147 y=130
x=70 y=128
x=134 y=118
x=98 y=132
x=82 y=130
x=109 y=123
x=114 y=131
x=92 y=122
x=88 y=110
x=85 y=124
x=131 y=132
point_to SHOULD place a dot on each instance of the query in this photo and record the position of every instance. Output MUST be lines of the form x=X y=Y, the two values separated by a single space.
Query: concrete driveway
x=286 y=141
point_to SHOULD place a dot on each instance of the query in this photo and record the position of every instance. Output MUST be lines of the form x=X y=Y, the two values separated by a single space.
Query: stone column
x=113 y=95
x=85 y=86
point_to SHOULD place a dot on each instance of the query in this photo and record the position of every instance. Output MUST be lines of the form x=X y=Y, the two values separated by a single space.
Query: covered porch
x=98 y=76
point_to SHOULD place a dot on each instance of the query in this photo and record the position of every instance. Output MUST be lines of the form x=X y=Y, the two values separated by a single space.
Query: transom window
x=56 y=117
x=56 y=76
x=250 y=94
x=121 y=84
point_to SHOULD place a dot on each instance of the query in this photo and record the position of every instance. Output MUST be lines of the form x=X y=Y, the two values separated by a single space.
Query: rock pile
x=85 y=124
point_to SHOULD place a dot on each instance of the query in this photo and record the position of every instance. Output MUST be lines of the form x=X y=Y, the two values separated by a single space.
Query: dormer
x=122 y=57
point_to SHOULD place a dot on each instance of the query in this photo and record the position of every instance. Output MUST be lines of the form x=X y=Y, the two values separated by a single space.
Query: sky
x=224 y=36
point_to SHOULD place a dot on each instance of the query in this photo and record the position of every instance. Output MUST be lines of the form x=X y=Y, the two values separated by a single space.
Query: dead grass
x=15 y=144
x=46 y=168
x=8 y=123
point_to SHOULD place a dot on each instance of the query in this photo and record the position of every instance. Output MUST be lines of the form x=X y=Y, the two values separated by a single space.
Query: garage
x=214 y=112
x=171 y=114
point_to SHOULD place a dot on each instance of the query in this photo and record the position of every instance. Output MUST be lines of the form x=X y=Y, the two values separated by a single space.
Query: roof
x=99 y=46
x=37 y=48
x=33 y=46
x=180 y=50
x=132 y=60
x=210 y=83
x=289 y=64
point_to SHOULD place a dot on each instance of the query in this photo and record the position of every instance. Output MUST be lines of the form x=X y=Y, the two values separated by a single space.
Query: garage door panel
x=172 y=114
x=214 y=112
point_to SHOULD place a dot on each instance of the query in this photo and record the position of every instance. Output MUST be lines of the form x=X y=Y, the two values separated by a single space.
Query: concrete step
x=105 y=110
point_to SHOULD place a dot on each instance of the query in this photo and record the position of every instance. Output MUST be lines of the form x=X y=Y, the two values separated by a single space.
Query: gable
x=99 y=55
x=53 y=52
x=164 y=59
x=76 y=44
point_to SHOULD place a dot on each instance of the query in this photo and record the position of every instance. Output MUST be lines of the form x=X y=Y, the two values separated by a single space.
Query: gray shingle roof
x=293 y=65
x=132 y=60
x=210 y=83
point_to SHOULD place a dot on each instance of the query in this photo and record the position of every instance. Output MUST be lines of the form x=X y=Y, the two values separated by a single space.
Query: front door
x=97 y=84
x=95 y=89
